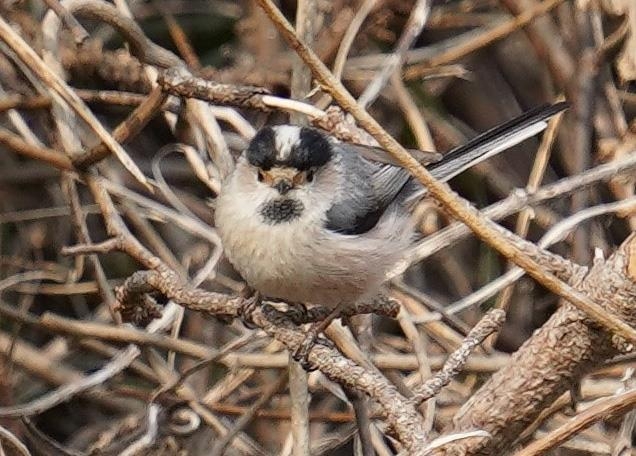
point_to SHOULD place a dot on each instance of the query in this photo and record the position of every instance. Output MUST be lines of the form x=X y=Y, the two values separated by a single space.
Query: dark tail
x=494 y=141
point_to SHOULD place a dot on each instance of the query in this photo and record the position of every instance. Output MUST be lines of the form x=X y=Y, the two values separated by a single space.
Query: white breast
x=300 y=261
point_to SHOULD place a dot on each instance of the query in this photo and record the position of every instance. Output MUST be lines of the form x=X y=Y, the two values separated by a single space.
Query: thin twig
x=220 y=445
x=615 y=405
x=179 y=37
x=127 y=129
x=419 y=344
x=517 y=200
x=120 y=362
x=345 y=45
x=50 y=156
x=536 y=176
x=33 y=61
x=149 y=437
x=14 y=442
x=556 y=234
x=491 y=322
x=484 y=39
x=414 y=26
x=79 y=33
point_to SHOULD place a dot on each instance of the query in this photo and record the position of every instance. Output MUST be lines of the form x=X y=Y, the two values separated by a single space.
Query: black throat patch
x=281 y=210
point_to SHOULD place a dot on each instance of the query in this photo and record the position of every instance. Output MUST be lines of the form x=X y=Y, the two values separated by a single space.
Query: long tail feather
x=494 y=141
x=484 y=146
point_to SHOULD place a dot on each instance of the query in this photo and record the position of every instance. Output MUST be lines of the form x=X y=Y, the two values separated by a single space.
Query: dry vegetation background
x=103 y=218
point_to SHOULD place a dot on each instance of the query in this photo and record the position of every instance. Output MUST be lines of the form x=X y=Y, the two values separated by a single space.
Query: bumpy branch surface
x=135 y=304
x=553 y=360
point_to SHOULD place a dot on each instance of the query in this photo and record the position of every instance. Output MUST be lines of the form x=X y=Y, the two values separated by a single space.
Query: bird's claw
x=301 y=354
x=297 y=312
x=250 y=304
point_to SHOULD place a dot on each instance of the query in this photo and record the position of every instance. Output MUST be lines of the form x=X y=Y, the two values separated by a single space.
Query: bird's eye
x=261 y=175
x=310 y=175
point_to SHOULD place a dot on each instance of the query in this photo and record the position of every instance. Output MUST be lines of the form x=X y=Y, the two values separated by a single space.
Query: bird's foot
x=297 y=312
x=250 y=304
x=301 y=354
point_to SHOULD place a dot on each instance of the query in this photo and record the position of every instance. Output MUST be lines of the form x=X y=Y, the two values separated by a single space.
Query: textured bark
x=552 y=360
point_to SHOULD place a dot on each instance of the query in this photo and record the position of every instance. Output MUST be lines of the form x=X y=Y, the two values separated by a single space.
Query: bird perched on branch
x=306 y=218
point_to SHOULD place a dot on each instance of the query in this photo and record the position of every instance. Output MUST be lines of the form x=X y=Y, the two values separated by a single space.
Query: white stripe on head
x=285 y=139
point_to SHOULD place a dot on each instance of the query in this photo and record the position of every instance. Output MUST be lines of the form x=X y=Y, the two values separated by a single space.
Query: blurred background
x=472 y=67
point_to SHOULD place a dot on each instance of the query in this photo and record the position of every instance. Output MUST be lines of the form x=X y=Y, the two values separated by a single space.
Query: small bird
x=305 y=218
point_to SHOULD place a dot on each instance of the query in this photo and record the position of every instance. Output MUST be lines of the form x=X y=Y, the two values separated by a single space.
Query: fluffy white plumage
x=331 y=234
x=300 y=260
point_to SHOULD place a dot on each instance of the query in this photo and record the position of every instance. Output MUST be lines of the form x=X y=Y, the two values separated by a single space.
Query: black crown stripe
x=313 y=150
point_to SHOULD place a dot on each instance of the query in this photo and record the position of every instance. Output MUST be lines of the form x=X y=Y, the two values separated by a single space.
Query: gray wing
x=375 y=185
x=370 y=189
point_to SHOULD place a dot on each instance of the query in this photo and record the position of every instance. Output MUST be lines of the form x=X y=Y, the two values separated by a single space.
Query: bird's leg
x=252 y=301
x=302 y=352
x=297 y=312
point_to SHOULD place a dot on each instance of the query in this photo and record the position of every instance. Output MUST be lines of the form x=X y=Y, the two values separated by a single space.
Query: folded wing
x=374 y=186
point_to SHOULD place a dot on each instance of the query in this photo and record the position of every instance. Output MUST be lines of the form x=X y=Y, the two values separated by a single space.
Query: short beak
x=283 y=186
x=283 y=179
